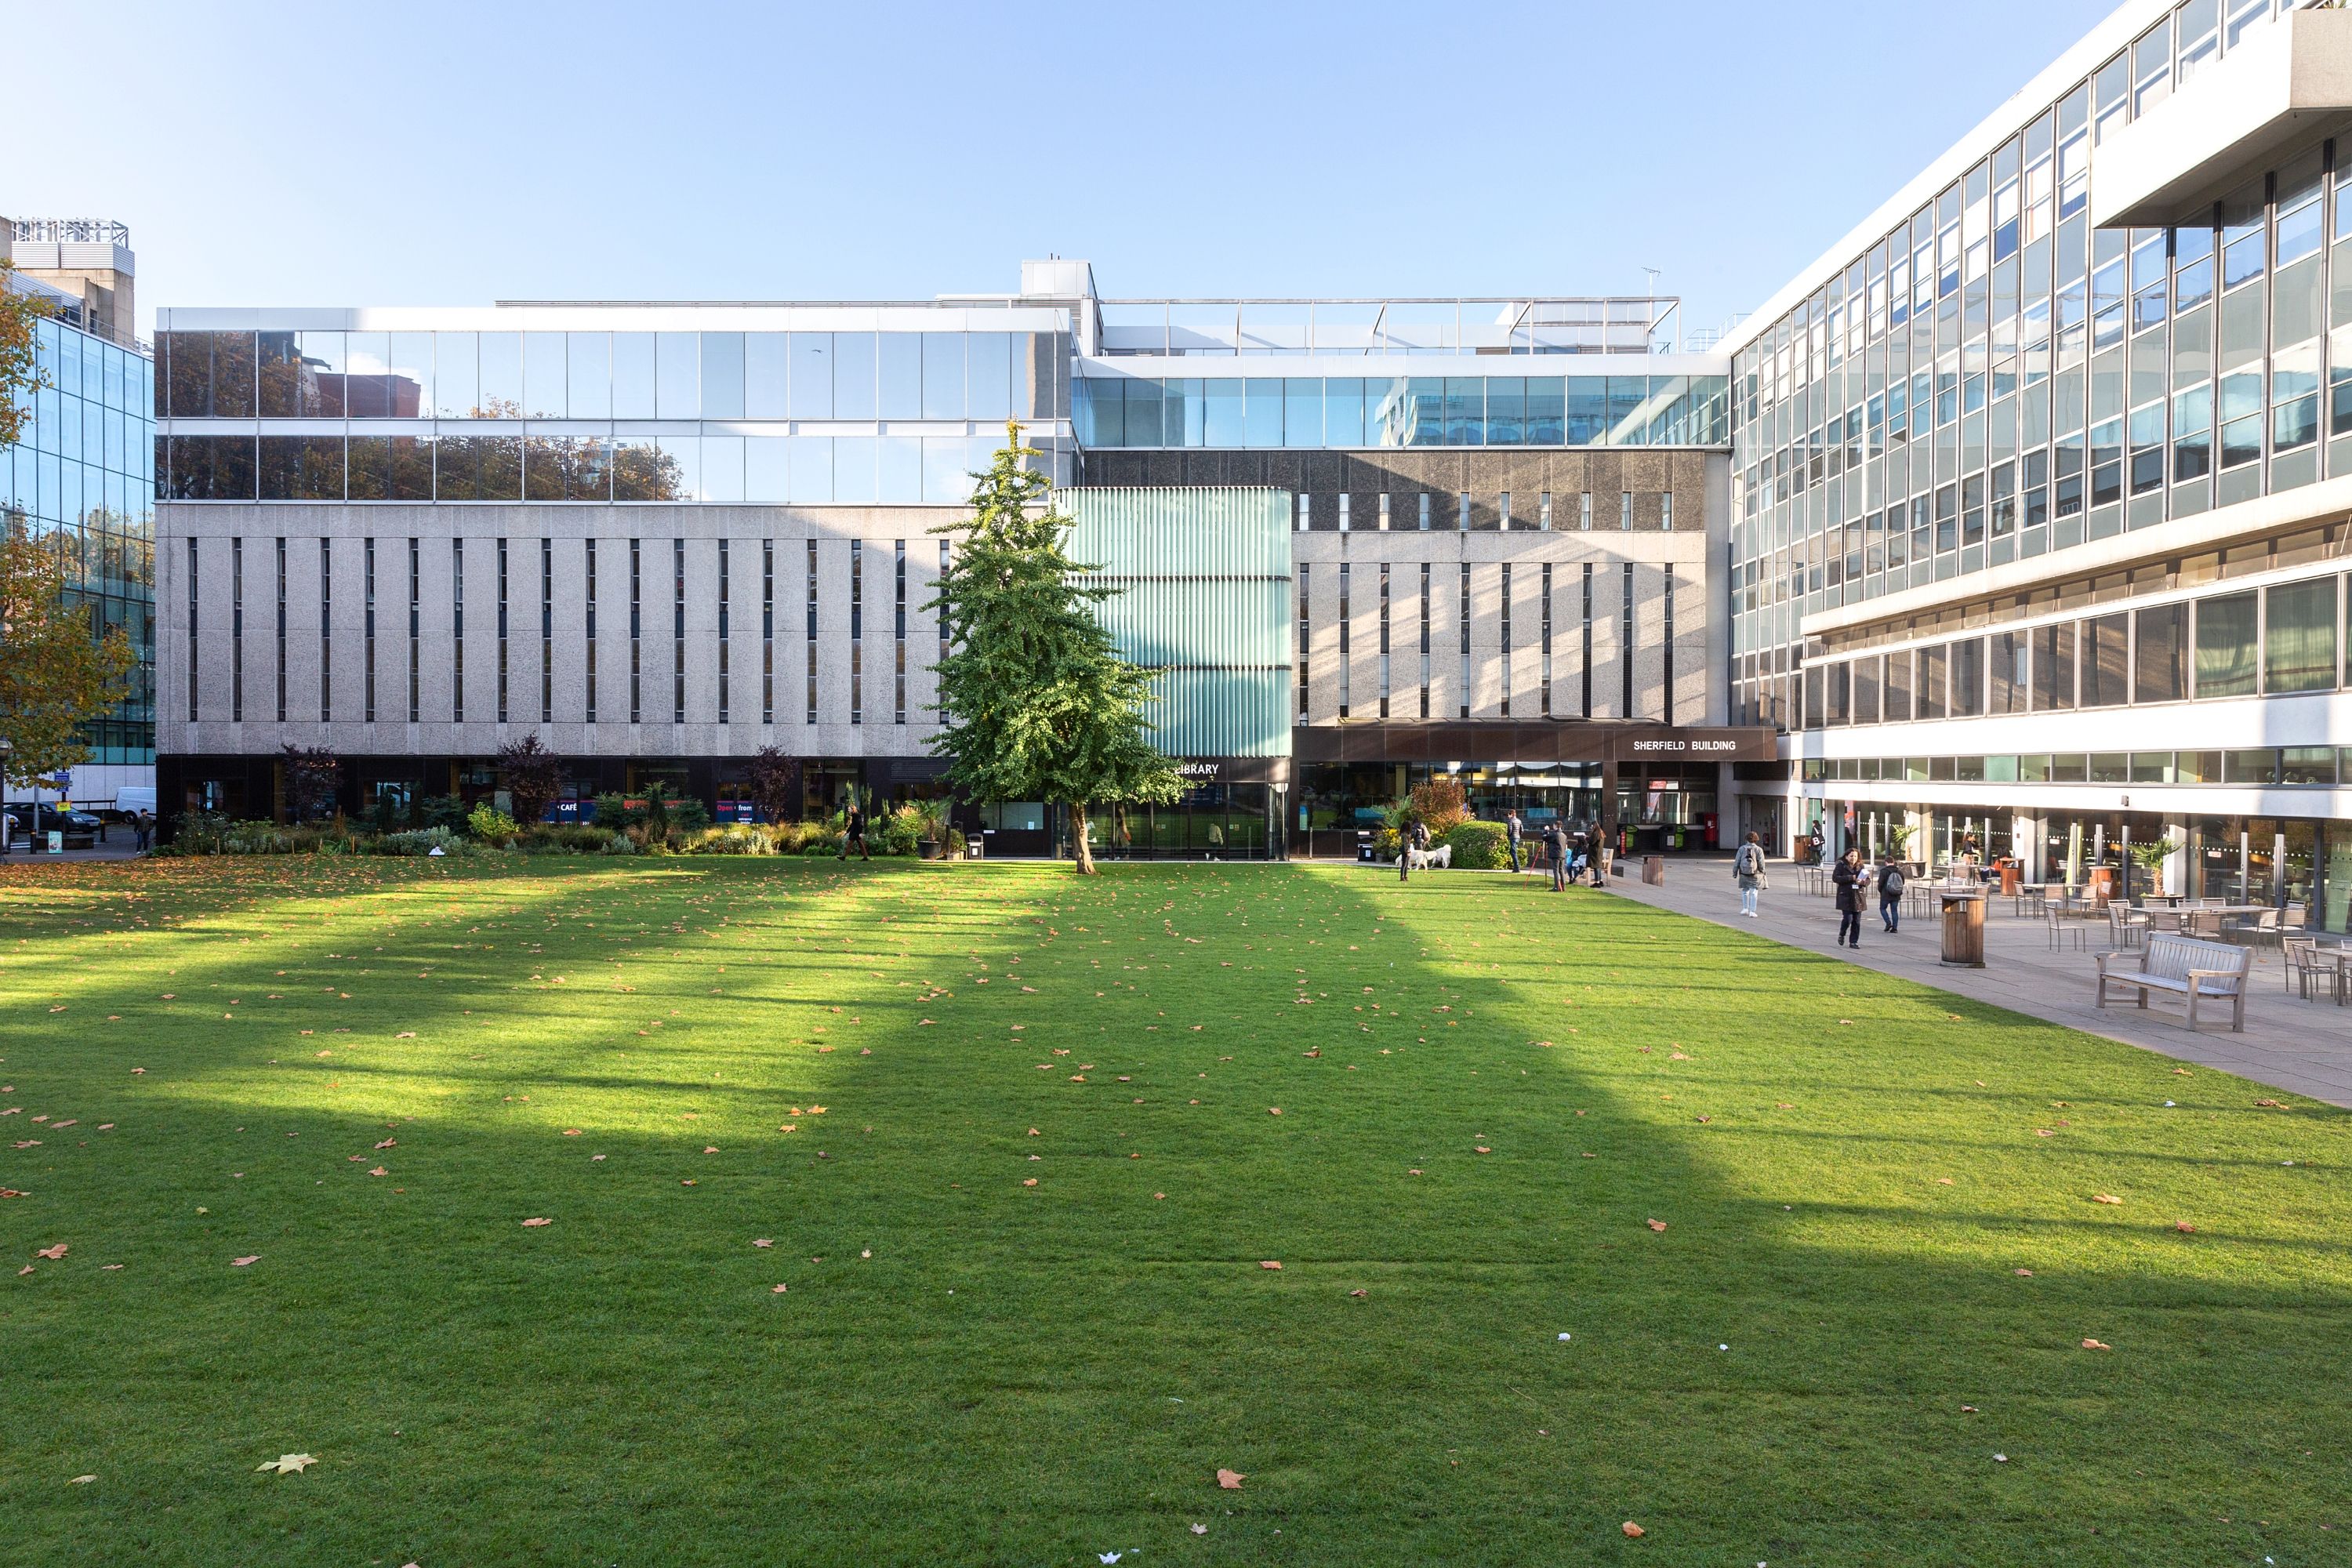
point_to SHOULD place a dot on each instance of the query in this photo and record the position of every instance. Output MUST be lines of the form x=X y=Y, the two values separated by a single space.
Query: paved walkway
x=2291 y=1044
x=118 y=846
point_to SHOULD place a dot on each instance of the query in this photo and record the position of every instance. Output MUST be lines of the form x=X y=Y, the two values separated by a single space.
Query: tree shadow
x=626 y=1377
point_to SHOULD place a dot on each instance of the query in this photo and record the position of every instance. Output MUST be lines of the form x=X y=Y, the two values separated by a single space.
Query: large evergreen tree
x=1035 y=701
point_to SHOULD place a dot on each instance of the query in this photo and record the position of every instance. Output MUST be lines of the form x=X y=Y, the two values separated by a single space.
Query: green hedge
x=1480 y=845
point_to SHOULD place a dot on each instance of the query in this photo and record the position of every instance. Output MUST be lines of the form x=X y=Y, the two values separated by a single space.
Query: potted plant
x=931 y=828
x=2150 y=859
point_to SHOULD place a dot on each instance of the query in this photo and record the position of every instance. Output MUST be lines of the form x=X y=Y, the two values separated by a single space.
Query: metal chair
x=2126 y=927
x=2303 y=965
x=2060 y=928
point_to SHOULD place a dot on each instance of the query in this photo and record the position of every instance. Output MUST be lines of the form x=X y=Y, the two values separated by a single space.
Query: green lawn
x=367 y=1076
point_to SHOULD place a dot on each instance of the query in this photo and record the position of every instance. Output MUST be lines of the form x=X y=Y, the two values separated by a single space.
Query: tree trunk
x=1079 y=839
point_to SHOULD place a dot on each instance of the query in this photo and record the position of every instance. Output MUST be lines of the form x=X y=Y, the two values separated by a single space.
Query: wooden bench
x=2185 y=965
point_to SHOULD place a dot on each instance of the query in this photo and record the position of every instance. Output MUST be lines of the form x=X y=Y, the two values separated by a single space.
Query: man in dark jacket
x=1415 y=840
x=1512 y=830
x=1847 y=876
x=1556 y=847
x=1890 y=895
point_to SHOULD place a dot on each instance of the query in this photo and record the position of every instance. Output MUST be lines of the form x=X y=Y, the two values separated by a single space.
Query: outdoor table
x=2341 y=957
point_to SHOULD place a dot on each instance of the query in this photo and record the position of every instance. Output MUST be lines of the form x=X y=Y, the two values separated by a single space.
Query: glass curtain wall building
x=408 y=536
x=2064 y=432
x=81 y=479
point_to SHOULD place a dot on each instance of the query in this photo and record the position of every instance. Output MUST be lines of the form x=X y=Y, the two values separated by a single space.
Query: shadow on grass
x=1025 y=1374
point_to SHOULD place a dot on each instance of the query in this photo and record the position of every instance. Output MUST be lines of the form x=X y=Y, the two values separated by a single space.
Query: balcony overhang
x=2285 y=85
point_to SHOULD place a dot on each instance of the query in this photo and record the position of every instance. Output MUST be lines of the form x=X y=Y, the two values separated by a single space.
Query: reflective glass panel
x=632 y=376
x=588 y=357
x=722 y=377
x=677 y=371
x=544 y=375
x=408 y=389
x=990 y=377
x=812 y=384
x=501 y=388
x=765 y=376
x=943 y=373
x=901 y=373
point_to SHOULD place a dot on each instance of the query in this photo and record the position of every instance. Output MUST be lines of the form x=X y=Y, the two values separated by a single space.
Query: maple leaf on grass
x=288 y=1464
x=1230 y=1481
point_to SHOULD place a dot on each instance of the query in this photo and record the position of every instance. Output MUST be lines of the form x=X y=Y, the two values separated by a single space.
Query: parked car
x=81 y=828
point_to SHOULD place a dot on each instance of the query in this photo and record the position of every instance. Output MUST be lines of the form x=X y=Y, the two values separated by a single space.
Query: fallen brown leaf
x=1230 y=1481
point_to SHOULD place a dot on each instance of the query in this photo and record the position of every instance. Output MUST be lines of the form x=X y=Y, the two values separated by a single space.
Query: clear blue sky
x=454 y=154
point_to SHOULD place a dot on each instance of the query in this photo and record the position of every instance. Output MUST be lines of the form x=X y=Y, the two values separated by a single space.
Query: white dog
x=1423 y=859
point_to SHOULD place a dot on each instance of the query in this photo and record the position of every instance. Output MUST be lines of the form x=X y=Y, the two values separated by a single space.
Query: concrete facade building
x=665 y=536
x=2041 y=479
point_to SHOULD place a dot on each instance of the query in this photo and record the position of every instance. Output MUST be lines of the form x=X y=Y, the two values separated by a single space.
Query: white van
x=131 y=800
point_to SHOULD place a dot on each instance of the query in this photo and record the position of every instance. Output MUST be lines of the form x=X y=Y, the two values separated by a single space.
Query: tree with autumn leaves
x=1036 y=702
x=59 y=669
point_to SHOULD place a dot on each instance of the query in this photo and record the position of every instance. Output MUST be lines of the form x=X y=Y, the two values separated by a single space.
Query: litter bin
x=1963 y=910
x=1653 y=870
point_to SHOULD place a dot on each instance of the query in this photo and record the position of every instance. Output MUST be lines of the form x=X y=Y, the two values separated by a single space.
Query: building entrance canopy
x=1546 y=740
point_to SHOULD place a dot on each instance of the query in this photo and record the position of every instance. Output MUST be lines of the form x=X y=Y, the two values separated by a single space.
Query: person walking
x=1600 y=843
x=854 y=831
x=1747 y=871
x=1850 y=880
x=1890 y=895
x=1512 y=830
x=142 y=830
x=1555 y=849
x=1414 y=841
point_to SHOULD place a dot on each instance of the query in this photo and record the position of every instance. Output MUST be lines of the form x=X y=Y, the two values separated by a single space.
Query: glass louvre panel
x=1865 y=691
x=2160 y=666
x=1930 y=696
x=2226 y=664
x=2106 y=647
x=2299 y=637
x=1967 y=678
x=2053 y=668
x=2008 y=687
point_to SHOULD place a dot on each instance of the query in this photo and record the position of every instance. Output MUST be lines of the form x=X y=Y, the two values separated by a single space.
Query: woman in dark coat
x=1849 y=882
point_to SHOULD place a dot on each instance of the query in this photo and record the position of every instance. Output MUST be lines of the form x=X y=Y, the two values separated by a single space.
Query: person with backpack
x=1747 y=871
x=1555 y=848
x=1890 y=895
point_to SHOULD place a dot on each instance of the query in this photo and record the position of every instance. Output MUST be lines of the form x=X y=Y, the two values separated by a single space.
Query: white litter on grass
x=2000 y=1458
x=1564 y=1336
x=2167 y=1102
x=1723 y=1347
x=1109 y=1556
